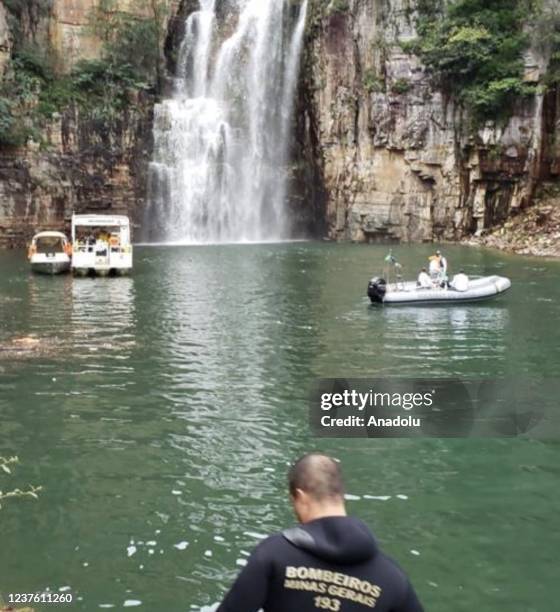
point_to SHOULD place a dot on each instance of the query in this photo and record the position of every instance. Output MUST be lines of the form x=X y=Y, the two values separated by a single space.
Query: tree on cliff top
x=32 y=91
x=474 y=50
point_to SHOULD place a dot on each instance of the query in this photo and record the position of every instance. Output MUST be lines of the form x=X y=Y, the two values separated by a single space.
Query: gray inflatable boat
x=483 y=288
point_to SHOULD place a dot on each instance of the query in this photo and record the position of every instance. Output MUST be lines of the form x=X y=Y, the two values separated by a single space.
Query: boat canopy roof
x=100 y=220
x=50 y=234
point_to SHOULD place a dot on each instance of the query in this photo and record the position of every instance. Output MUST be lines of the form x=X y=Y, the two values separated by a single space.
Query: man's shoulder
x=390 y=568
x=270 y=544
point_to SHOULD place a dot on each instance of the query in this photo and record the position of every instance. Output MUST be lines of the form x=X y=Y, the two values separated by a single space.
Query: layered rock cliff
x=84 y=165
x=396 y=157
x=75 y=156
x=381 y=151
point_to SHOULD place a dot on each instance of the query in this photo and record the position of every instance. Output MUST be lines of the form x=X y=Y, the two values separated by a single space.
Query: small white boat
x=408 y=292
x=49 y=253
x=101 y=245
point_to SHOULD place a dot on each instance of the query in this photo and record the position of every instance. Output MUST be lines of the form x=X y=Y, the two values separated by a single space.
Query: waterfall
x=221 y=141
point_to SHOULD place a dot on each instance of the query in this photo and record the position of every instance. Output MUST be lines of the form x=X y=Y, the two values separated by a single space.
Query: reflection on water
x=162 y=417
x=103 y=308
x=432 y=340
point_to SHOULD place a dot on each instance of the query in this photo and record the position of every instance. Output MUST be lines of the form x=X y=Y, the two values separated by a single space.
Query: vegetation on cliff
x=33 y=90
x=474 y=51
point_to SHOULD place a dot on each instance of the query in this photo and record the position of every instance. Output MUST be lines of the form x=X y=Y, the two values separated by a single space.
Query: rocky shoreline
x=534 y=231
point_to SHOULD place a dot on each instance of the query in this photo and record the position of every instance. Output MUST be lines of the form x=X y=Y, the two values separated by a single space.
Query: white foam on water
x=176 y=492
x=132 y=603
x=181 y=545
x=400 y=496
x=351 y=497
x=378 y=497
x=208 y=553
x=241 y=562
x=254 y=534
x=164 y=517
x=131 y=550
x=219 y=539
x=63 y=589
x=415 y=553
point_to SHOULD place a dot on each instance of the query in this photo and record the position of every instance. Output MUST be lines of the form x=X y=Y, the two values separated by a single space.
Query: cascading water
x=221 y=141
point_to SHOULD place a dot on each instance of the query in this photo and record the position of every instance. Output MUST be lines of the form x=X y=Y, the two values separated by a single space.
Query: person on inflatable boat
x=460 y=281
x=438 y=269
x=424 y=281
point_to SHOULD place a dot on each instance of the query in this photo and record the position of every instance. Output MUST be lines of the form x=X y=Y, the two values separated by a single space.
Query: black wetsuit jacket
x=331 y=564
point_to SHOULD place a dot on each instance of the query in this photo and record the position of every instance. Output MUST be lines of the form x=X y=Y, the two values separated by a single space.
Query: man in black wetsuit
x=330 y=561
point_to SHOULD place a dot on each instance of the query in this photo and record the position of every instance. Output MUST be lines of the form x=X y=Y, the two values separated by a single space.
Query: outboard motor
x=376 y=289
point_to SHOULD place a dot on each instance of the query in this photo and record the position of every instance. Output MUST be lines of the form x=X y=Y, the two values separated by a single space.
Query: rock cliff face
x=85 y=165
x=82 y=163
x=396 y=158
x=5 y=40
x=380 y=153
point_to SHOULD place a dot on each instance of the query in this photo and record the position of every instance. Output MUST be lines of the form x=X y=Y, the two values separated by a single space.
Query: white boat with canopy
x=49 y=253
x=101 y=245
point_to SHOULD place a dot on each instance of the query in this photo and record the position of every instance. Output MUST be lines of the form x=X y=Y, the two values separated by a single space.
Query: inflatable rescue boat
x=483 y=288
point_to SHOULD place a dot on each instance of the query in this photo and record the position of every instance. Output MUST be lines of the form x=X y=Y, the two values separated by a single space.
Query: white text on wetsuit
x=334 y=584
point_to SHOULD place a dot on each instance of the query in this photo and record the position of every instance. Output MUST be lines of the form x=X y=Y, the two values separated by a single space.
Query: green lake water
x=160 y=412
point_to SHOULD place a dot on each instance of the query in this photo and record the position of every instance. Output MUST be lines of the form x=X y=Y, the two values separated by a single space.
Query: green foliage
x=18 y=93
x=129 y=40
x=9 y=129
x=32 y=91
x=19 y=7
x=474 y=51
x=32 y=94
x=23 y=15
x=103 y=88
x=372 y=83
x=338 y=6
x=546 y=38
x=33 y=61
x=401 y=86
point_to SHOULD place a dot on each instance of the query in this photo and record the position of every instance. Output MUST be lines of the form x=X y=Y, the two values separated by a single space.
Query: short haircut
x=318 y=475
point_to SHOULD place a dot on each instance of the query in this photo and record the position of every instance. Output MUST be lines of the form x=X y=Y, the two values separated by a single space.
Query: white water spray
x=221 y=141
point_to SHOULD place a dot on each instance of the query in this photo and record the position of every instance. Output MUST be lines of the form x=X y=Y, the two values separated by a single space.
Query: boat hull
x=480 y=289
x=50 y=267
